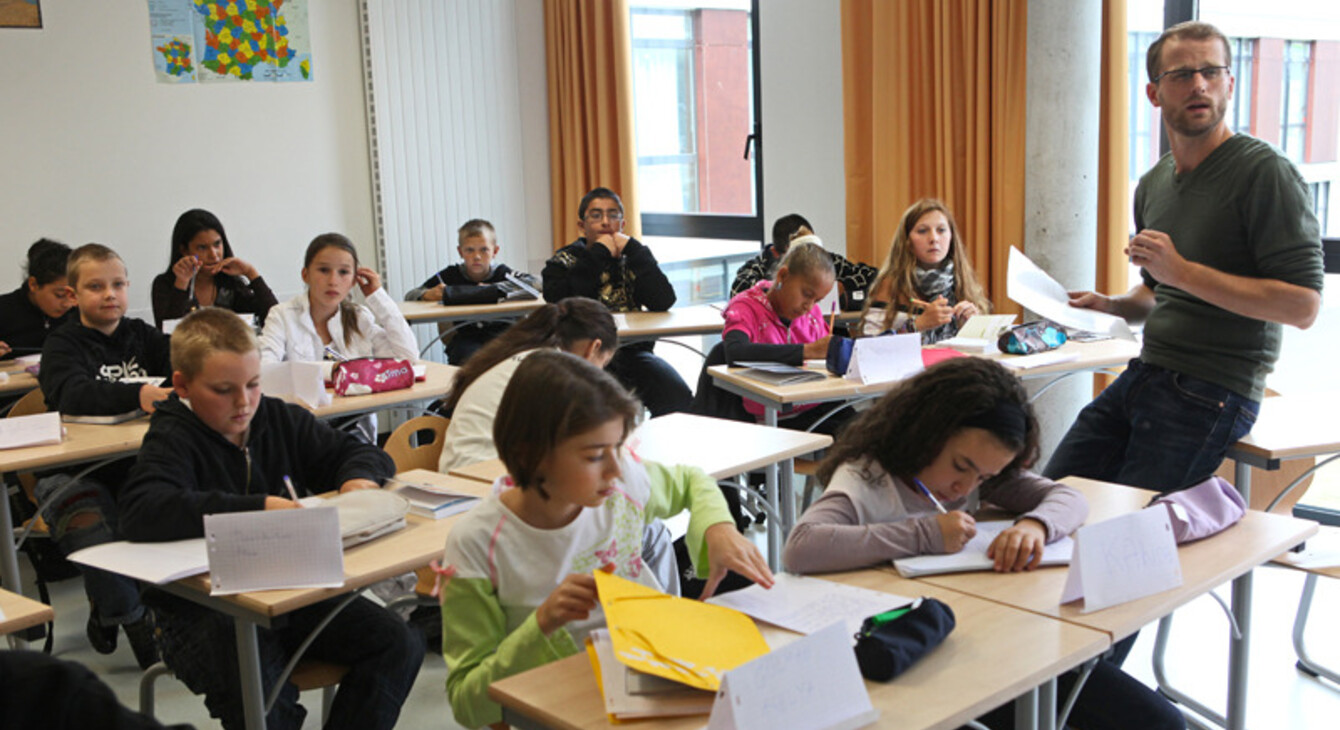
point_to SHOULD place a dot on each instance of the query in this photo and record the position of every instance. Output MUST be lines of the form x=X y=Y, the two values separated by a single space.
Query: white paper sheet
x=151 y=562
x=292 y=548
x=1031 y=287
x=811 y=683
x=297 y=382
x=986 y=326
x=885 y=358
x=1122 y=559
x=805 y=605
x=38 y=429
x=973 y=555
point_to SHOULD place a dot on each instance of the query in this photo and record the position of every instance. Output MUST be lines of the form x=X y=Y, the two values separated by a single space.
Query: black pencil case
x=888 y=650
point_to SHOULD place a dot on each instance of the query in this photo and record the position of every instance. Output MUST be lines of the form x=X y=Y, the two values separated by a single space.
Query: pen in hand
x=930 y=496
x=293 y=493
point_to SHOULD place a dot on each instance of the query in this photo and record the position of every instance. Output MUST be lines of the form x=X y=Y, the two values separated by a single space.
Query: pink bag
x=365 y=375
x=1203 y=510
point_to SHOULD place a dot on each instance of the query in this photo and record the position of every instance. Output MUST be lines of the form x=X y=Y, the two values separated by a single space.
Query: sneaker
x=141 y=636
x=103 y=638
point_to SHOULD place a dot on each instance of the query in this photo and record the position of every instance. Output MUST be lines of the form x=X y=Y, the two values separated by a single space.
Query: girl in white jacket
x=307 y=327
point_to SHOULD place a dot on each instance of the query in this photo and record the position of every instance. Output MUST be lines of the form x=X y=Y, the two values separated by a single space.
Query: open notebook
x=973 y=555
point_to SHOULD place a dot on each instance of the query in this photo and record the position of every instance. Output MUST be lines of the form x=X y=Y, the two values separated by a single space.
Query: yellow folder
x=687 y=641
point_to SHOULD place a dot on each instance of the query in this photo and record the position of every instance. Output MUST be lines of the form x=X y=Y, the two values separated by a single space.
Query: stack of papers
x=973 y=555
x=39 y=429
x=108 y=420
x=434 y=502
x=151 y=562
x=779 y=374
x=806 y=605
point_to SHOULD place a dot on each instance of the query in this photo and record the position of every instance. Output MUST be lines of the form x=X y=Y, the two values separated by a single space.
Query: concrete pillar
x=1061 y=169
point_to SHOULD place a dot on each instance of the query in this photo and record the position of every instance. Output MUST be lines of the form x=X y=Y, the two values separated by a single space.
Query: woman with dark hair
x=40 y=304
x=580 y=326
x=203 y=272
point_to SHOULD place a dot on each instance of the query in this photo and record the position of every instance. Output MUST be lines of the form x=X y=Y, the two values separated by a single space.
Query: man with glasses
x=1229 y=251
x=620 y=272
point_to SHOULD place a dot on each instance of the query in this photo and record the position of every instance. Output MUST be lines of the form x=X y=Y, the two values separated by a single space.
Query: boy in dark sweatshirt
x=217 y=445
x=103 y=363
x=477 y=279
x=620 y=272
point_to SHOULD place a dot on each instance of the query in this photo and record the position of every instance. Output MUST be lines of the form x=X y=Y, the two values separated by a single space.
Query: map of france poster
x=222 y=41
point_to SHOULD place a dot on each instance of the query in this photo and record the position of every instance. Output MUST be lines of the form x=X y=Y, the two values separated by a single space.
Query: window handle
x=749 y=144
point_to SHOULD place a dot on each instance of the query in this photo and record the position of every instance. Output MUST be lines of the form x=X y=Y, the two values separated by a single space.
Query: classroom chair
x=417 y=444
x=1320 y=556
x=309 y=674
x=33 y=403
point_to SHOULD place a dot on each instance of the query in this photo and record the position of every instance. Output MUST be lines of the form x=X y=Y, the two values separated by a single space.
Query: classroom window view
x=693 y=108
x=1286 y=67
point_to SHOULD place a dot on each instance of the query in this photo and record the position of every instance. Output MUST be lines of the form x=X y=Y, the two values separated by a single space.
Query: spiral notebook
x=291 y=548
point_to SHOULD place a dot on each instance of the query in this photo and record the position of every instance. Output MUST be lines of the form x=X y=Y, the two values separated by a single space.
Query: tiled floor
x=1281 y=697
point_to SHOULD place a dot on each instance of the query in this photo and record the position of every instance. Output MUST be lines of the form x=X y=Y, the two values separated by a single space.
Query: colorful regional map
x=230 y=40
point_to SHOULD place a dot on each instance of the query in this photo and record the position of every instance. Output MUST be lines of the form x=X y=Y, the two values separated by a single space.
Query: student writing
x=203 y=272
x=97 y=365
x=42 y=302
x=960 y=429
x=477 y=279
x=218 y=445
x=574 y=502
x=927 y=283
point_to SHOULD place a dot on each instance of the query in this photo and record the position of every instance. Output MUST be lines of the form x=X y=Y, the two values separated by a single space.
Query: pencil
x=832 y=317
x=292 y=493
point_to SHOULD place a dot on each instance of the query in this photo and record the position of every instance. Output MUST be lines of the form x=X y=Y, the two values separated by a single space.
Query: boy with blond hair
x=477 y=279
x=218 y=445
x=102 y=363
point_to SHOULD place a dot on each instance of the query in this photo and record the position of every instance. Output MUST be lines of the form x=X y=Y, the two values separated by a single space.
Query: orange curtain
x=588 y=49
x=1114 y=141
x=933 y=96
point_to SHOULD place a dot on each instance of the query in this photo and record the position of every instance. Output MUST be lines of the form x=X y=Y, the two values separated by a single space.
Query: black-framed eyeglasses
x=595 y=214
x=1182 y=76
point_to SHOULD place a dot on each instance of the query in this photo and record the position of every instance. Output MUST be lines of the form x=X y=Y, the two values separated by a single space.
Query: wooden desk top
x=699 y=319
x=1207 y=563
x=19 y=382
x=420 y=542
x=426 y=312
x=1293 y=427
x=21 y=613
x=85 y=442
x=719 y=447
x=946 y=688
x=1092 y=356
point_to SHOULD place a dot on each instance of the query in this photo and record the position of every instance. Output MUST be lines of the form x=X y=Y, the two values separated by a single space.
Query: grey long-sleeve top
x=868 y=516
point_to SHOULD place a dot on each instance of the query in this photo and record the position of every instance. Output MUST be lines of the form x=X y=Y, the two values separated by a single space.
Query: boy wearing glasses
x=620 y=272
x=1229 y=251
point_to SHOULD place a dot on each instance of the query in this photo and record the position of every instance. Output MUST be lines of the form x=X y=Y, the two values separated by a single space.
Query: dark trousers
x=650 y=378
x=1154 y=428
x=382 y=653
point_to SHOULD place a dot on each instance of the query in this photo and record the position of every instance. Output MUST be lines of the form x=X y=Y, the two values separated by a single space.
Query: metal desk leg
x=1026 y=710
x=774 y=529
x=1238 y=648
x=1305 y=662
x=1047 y=705
x=9 y=561
x=249 y=674
x=786 y=492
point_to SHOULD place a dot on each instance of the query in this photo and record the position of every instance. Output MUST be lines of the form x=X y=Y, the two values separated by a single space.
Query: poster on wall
x=20 y=14
x=229 y=41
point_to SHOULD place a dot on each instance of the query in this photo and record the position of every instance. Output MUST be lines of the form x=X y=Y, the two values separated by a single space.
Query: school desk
x=86 y=443
x=400 y=552
x=19 y=381
x=995 y=654
x=719 y=447
x=1286 y=428
x=1229 y=555
x=422 y=312
x=18 y=613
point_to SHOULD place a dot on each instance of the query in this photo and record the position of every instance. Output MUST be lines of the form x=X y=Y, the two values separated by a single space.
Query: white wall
x=94 y=149
x=803 y=169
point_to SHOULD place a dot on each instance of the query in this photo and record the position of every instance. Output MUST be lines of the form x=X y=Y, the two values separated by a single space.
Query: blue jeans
x=115 y=598
x=382 y=653
x=1154 y=428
